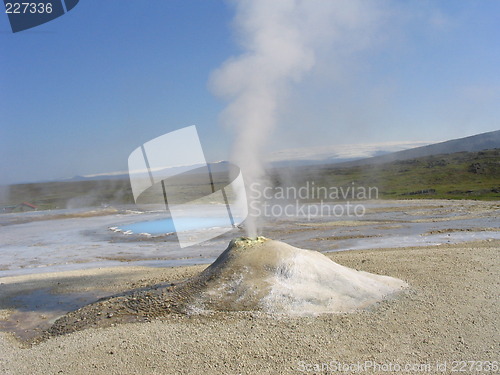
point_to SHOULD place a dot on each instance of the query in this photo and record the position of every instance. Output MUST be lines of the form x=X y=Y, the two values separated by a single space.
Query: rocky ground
x=450 y=314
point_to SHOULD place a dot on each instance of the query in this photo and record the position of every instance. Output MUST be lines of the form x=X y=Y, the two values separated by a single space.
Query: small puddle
x=37 y=310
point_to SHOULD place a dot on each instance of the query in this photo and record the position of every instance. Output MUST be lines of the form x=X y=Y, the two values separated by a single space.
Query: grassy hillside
x=70 y=194
x=93 y=193
x=461 y=175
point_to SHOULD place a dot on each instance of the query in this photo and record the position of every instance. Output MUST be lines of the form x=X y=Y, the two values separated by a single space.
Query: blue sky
x=80 y=93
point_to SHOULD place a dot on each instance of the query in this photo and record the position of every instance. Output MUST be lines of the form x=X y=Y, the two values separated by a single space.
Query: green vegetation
x=462 y=175
x=94 y=193
x=52 y=195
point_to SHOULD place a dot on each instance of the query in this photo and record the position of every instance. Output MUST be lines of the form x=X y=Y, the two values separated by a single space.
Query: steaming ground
x=49 y=241
x=449 y=314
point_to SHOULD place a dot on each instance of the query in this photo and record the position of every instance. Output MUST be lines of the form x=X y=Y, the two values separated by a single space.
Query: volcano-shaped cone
x=250 y=275
x=271 y=276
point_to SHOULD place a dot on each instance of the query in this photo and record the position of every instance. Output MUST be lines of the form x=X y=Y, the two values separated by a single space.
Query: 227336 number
x=21 y=8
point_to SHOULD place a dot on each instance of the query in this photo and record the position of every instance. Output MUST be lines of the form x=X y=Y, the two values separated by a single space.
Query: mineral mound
x=271 y=276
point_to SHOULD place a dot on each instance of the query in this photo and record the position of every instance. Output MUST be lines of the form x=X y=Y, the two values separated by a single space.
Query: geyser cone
x=272 y=276
x=250 y=275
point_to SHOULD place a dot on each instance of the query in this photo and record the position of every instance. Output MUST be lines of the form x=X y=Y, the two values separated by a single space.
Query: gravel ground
x=449 y=314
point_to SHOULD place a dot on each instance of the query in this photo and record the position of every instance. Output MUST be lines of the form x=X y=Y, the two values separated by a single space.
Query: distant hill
x=479 y=142
x=348 y=155
x=458 y=175
x=457 y=169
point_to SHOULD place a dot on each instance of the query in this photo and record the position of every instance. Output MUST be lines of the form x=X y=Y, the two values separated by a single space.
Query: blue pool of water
x=165 y=226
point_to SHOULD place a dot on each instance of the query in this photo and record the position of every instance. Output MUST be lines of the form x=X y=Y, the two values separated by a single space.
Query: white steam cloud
x=281 y=41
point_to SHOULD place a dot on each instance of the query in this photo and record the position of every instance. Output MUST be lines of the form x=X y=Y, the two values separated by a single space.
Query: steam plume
x=280 y=41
